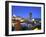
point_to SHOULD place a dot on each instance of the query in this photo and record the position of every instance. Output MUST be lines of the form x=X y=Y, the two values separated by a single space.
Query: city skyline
x=23 y=11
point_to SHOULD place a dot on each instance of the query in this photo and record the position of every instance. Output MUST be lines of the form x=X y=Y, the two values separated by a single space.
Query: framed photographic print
x=24 y=18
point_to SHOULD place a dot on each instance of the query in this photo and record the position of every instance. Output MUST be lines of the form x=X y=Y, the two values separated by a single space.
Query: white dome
x=33 y=19
x=14 y=15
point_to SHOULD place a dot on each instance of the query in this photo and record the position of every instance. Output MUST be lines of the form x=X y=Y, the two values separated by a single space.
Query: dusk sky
x=23 y=11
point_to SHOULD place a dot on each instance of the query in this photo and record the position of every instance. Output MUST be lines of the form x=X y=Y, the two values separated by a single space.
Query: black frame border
x=7 y=17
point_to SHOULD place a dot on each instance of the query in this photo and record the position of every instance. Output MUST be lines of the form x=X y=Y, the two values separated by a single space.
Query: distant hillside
x=37 y=18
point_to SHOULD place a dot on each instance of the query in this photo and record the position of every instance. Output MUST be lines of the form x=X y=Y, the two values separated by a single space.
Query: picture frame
x=11 y=9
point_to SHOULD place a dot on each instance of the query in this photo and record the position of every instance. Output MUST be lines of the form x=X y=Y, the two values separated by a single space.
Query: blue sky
x=23 y=11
